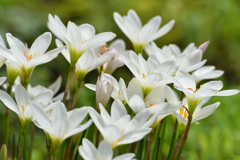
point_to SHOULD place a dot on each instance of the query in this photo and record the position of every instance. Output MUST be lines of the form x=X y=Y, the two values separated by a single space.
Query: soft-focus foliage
x=218 y=137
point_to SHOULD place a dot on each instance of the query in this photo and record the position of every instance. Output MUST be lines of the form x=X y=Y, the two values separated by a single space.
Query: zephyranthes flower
x=28 y=58
x=77 y=38
x=104 y=152
x=21 y=108
x=139 y=35
x=118 y=129
x=60 y=124
x=187 y=85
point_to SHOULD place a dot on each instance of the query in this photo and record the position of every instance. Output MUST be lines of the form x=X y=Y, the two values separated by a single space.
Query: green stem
x=25 y=149
x=179 y=147
x=79 y=89
x=14 y=147
x=31 y=142
x=162 y=135
x=23 y=133
x=68 y=150
x=70 y=77
x=156 y=140
x=19 y=141
x=148 y=147
x=75 y=154
x=173 y=141
x=140 y=149
x=9 y=90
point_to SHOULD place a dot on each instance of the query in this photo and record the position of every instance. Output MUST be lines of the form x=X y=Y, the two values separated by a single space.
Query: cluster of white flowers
x=148 y=94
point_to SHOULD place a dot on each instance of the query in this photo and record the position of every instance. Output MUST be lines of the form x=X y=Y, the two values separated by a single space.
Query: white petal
x=105 y=150
x=41 y=117
x=88 y=150
x=22 y=96
x=9 y=102
x=44 y=97
x=78 y=129
x=205 y=112
x=56 y=85
x=118 y=110
x=41 y=44
x=87 y=31
x=136 y=104
x=97 y=119
x=98 y=39
x=134 y=17
x=229 y=92
x=163 y=30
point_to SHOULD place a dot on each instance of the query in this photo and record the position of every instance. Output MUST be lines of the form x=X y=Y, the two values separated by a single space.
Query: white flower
x=2 y=80
x=118 y=47
x=188 y=60
x=27 y=58
x=89 y=60
x=104 y=152
x=118 y=129
x=103 y=91
x=78 y=39
x=140 y=35
x=21 y=108
x=206 y=72
x=2 y=59
x=198 y=114
x=107 y=78
x=60 y=124
x=154 y=101
x=149 y=73
x=187 y=84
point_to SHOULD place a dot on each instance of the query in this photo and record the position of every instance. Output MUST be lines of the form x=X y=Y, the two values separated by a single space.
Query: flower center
x=23 y=109
x=193 y=90
x=184 y=111
x=29 y=57
x=84 y=40
x=143 y=75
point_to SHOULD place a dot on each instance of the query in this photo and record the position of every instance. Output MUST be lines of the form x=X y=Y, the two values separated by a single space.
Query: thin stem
x=22 y=145
x=133 y=147
x=14 y=147
x=6 y=126
x=148 y=147
x=48 y=151
x=75 y=154
x=179 y=147
x=9 y=90
x=70 y=78
x=31 y=142
x=68 y=150
x=162 y=135
x=173 y=141
x=97 y=138
x=79 y=89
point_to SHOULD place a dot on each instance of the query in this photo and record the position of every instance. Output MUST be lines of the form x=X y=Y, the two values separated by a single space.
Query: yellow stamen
x=119 y=92
x=23 y=108
x=145 y=100
x=150 y=105
x=185 y=114
x=193 y=90
x=98 y=158
x=148 y=72
x=143 y=75
x=181 y=111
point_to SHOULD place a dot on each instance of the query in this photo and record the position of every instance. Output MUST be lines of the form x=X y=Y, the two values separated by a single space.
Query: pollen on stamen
x=148 y=72
x=119 y=92
x=145 y=100
x=185 y=114
x=181 y=110
x=150 y=105
x=23 y=108
x=193 y=90
x=143 y=75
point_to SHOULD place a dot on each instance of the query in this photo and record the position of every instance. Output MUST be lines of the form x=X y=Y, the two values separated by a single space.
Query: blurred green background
x=218 y=136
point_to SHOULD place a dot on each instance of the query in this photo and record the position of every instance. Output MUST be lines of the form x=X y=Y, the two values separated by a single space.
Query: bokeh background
x=218 y=136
